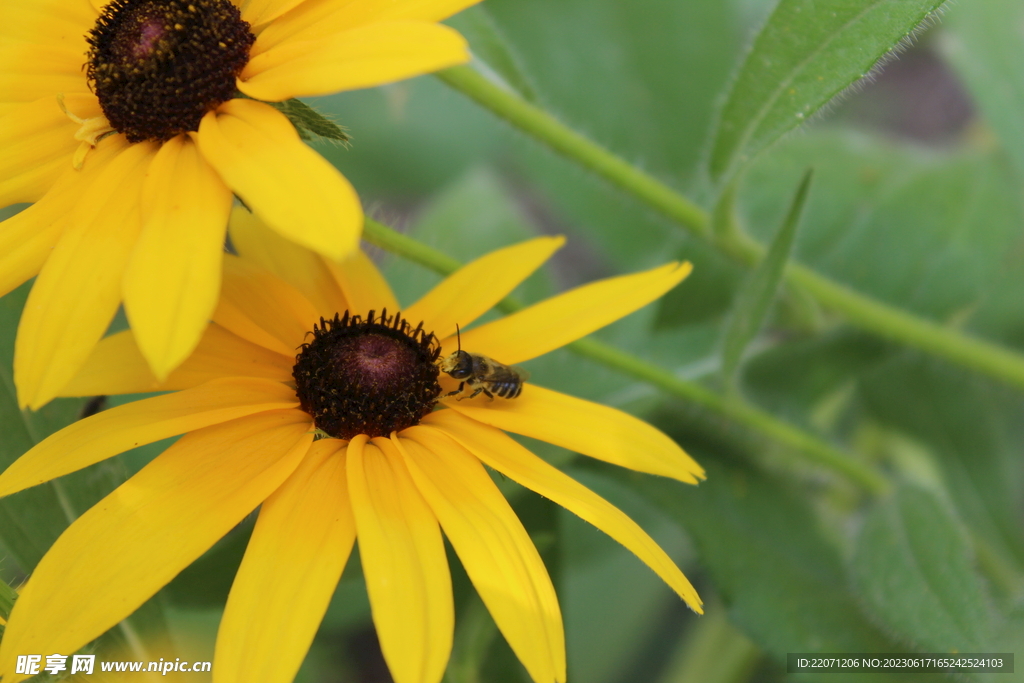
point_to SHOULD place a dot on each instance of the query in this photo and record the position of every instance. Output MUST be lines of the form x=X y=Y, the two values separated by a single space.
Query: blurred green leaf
x=471 y=217
x=795 y=377
x=712 y=651
x=207 y=581
x=933 y=232
x=639 y=76
x=409 y=139
x=929 y=231
x=982 y=39
x=640 y=603
x=475 y=632
x=708 y=293
x=808 y=52
x=30 y=521
x=974 y=430
x=912 y=566
x=780 y=576
x=758 y=292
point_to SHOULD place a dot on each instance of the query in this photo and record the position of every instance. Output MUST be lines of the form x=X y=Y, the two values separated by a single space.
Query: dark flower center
x=157 y=66
x=371 y=376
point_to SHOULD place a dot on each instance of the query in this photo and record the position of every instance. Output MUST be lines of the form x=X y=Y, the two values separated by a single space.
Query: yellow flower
x=124 y=123
x=408 y=468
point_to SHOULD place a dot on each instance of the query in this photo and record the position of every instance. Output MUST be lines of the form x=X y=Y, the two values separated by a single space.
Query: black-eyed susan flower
x=398 y=465
x=130 y=124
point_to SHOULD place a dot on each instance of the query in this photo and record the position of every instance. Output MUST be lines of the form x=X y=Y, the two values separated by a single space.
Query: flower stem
x=811 y=447
x=861 y=311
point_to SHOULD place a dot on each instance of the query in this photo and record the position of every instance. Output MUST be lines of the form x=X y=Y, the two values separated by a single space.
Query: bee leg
x=457 y=391
x=477 y=392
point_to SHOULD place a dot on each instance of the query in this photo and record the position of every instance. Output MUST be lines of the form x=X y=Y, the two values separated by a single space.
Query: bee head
x=459 y=365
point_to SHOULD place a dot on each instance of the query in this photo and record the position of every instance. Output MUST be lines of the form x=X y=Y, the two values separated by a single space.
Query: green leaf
x=709 y=291
x=475 y=633
x=639 y=77
x=971 y=428
x=756 y=296
x=309 y=121
x=470 y=218
x=807 y=53
x=30 y=521
x=796 y=378
x=207 y=581
x=982 y=40
x=412 y=138
x=712 y=651
x=933 y=232
x=639 y=603
x=778 y=573
x=912 y=565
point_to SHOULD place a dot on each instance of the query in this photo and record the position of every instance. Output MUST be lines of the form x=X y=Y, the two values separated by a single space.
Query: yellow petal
x=78 y=290
x=589 y=428
x=116 y=365
x=272 y=304
x=364 y=287
x=565 y=318
x=231 y=318
x=475 y=288
x=495 y=549
x=404 y=564
x=33 y=71
x=49 y=22
x=500 y=452
x=301 y=268
x=259 y=12
x=291 y=567
x=27 y=239
x=296 y=191
x=316 y=19
x=173 y=277
x=38 y=142
x=363 y=57
x=131 y=543
x=119 y=429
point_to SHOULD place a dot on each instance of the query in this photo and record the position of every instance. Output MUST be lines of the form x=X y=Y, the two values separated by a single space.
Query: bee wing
x=523 y=373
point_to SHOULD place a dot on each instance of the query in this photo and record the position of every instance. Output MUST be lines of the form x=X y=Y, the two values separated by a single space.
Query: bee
x=483 y=375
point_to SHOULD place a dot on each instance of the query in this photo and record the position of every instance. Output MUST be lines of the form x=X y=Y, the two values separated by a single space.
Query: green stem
x=811 y=447
x=861 y=311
